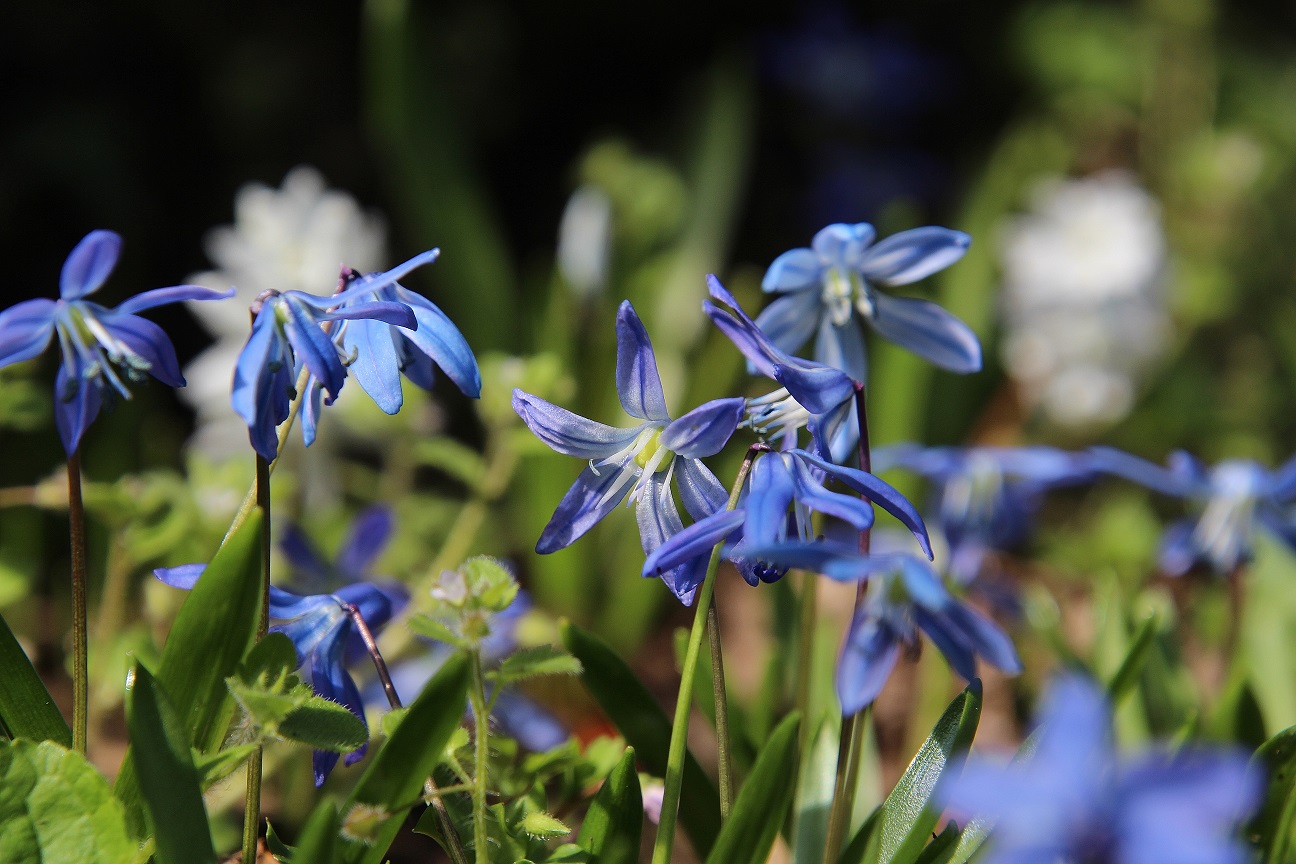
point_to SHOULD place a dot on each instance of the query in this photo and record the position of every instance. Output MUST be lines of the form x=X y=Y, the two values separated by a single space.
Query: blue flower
x=827 y=285
x=292 y=330
x=779 y=481
x=100 y=346
x=1074 y=800
x=813 y=395
x=1237 y=497
x=383 y=351
x=985 y=497
x=903 y=595
x=635 y=464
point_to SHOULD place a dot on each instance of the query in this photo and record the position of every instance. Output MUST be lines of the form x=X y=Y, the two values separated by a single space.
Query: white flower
x=294 y=238
x=1083 y=306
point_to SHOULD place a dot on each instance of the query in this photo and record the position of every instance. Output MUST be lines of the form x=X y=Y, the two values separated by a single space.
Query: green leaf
x=458 y=460
x=395 y=776
x=1271 y=829
x=26 y=708
x=815 y=795
x=906 y=822
x=1127 y=674
x=942 y=846
x=213 y=630
x=318 y=843
x=646 y=728
x=55 y=807
x=212 y=767
x=325 y=725
x=172 y=797
x=762 y=802
x=543 y=826
x=857 y=849
x=534 y=662
x=614 y=823
x=426 y=625
x=271 y=659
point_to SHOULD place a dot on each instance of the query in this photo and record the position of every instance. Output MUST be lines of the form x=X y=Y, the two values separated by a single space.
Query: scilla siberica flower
x=288 y=333
x=635 y=464
x=100 y=346
x=827 y=285
x=778 y=481
x=904 y=594
x=1237 y=496
x=1075 y=802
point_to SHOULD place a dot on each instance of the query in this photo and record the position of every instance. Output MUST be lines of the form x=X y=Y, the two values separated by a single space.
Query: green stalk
x=80 y=656
x=481 y=721
x=721 y=714
x=679 y=729
x=252 y=802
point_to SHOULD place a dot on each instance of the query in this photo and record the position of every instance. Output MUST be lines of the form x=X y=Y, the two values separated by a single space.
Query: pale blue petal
x=790 y=321
x=387 y=311
x=379 y=280
x=985 y=637
x=705 y=430
x=638 y=384
x=584 y=504
x=1178 y=551
x=568 y=433
x=819 y=389
x=308 y=567
x=1112 y=461
x=912 y=255
x=842 y=245
x=771 y=491
x=313 y=347
x=866 y=663
x=185 y=576
x=150 y=342
x=854 y=511
x=376 y=366
x=25 y=330
x=842 y=347
x=1281 y=488
x=365 y=540
x=754 y=344
x=174 y=294
x=699 y=489
x=688 y=543
x=950 y=641
x=927 y=330
x=793 y=271
x=88 y=264
x=658 y=522
x=879 y=491
x=440 y=339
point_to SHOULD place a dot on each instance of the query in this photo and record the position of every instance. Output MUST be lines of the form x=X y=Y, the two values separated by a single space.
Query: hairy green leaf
x=612 y=827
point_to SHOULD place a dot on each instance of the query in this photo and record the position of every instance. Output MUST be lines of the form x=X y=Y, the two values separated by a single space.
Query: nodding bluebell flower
x=985 y=498
x=383 y=351
x=779 y=481
x=1075 y=800
x=828 y=284
x=289 y=332
x=635 y=464
x=813 y=395
x=904 y=594
x=1237 y=497
x=320 y=625
x=100 y=346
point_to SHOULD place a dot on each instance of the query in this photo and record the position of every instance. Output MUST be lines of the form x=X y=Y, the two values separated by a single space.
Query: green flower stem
x=481 y=722
x=80 y=657
x=252 y=803
x=721 y=714
x=679 y=729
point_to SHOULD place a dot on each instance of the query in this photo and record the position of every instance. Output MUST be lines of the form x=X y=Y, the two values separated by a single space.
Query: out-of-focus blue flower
x=904 y=594
x=813 y=395
x=1075 y=801
x=985 y=498
x=826 y=285
x=778 y=481
x=382 y=351
x=635 y=464
x=100 y=346
x=1237 y=496
x=289 y=332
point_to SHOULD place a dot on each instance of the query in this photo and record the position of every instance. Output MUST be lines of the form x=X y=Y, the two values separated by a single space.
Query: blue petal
x=659 y=521
x=986 y=637
x=857 y=513
x=582 y=506
x=74 y=412
x=150 y=342
x=879 y=491
x=638 y=383
x=842 y=347
x=1147 y=474
x=305 y=561
x=950 y=641
x=696 y=540
x=174 y=294
x=1074 y=738
x=377 y=602
x=1282 y=483
x=260 y=392
x=771 y=491
x=184 y=576
x=88 y=264
x=922 y=583
x=790 y=321
x=927 y=330
x=699 y=489
x=438 y=338
x=1178 y=552
x=741 y=329
x=527 y=723
x=819 y=389
x=568 y=433
x=25 y=330
x=378 y=281
x=797 y=269
x=365 y=540
x=705 y=430
x=328 y=673
x=912 y=255
x=867 y=660
x=310 y=411
x=376 y=366
x=289 y=606
x=312 y=346
x=842 y=245
x=387 y=311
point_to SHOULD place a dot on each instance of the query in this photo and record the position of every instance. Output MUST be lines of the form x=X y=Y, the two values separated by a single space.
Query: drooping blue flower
x=1237 y=497
x=827 y=285
x=904 y=594
x=781 y=492
x=293 y=329
x=635 y=464
x=100 y=346
x=1074 y=801
x=383 y=351
x=815 y=396
x=985 y=498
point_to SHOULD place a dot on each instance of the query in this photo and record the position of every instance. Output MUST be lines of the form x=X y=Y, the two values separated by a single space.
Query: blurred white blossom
x=1083 y=302
x=585 y=240
x=293 y=238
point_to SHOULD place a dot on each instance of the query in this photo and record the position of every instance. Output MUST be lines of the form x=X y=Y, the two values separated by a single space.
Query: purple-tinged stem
x=80 y=658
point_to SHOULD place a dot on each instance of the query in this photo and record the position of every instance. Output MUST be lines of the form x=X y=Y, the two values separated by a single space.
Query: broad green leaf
x=858 y=848
x=1268 y=631
x=1127 y=674
x=173 y=801
x=395 y=776
x=942 y=846
x=270 y=659
x=1271 y=829
x=762 y=802
x=325 y=725
x=614 y=823
x=319 y=842
x=213 y=630
x=534 y=662
x=26 y=708
x=426 y=625
x=54 y=806
x=906 y=820
x=815 y=794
